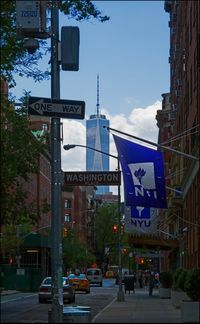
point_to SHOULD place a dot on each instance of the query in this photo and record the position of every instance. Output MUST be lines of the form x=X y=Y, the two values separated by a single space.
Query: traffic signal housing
x=64 y=232
x=124 y=250
x=70 y=40
x=122 y=230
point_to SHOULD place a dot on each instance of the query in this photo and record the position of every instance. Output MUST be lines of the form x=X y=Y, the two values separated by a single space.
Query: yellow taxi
x=79 y=282
x=110 y=274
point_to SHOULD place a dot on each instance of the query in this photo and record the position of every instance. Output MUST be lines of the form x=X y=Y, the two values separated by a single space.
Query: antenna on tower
x=97 y=94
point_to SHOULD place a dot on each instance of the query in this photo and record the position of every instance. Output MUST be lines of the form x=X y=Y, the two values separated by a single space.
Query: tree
x=106 y=217
x=20 y=151
x=14 y=57
x=75 y=253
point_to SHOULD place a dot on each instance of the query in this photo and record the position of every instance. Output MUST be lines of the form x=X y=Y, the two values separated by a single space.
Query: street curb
x=8 y=292
x=99 y=314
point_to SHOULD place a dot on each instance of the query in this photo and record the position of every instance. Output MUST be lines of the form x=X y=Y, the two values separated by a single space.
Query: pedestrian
x=146 y=278
x=140 y=280
x=151 y=283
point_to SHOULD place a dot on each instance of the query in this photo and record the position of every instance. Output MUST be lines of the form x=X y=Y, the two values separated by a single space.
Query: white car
x=95 y=276
x=45 y=294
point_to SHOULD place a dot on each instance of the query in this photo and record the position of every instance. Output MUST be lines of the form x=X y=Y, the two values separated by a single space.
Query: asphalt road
x=24 y=307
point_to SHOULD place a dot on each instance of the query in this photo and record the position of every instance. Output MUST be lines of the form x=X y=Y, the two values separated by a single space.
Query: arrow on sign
x=55 y=107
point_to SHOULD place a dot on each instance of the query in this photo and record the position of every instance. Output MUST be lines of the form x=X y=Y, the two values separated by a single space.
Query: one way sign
x=56 y=108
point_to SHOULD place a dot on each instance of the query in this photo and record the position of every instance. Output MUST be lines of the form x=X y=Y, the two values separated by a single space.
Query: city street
x=24 y=307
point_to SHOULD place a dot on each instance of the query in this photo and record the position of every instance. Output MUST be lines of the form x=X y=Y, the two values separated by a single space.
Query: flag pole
x=155 y=144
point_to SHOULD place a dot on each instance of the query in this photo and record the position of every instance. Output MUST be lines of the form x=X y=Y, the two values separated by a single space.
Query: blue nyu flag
x=143 y=174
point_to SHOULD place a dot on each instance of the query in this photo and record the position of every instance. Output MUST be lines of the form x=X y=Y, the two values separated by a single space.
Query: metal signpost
x=56 y=238
x=31 y=22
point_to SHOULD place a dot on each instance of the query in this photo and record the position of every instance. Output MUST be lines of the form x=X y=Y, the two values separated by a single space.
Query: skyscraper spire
x=97 y=94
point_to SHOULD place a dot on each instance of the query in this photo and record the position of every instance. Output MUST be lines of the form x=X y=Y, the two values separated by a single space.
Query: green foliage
x=106 y=217
x=192 y=284
x=176 y=274
x=181 y=279
x=81 y=10
x=75 y=253
x=166 y=279
x=12 y=238
x=14 y=57
x=20 y=152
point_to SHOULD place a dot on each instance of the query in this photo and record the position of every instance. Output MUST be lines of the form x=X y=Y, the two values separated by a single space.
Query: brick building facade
x=182 y=219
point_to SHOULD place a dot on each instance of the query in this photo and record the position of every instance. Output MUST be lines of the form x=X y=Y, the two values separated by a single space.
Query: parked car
x=79 y=282
x=45 y=294
x=95 y=276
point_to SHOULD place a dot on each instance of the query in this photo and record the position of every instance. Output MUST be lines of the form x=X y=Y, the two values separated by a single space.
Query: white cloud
x=141 y=123
x=131 y=100
x=73 y=133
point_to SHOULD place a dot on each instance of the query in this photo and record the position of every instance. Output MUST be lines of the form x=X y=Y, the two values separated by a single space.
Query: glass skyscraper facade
x=97 y=137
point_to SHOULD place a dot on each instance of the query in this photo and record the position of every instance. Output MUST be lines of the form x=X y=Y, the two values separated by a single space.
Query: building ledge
x=152 y=242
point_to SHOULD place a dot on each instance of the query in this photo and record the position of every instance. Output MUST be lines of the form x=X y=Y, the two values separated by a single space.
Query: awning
x=37 y=240
x=152 y=242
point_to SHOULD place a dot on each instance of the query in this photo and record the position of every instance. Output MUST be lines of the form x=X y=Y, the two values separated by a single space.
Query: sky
x=130 y=53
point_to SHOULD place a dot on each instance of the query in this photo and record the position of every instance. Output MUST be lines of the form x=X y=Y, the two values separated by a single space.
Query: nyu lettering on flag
x=143 y=174
x=138 y=224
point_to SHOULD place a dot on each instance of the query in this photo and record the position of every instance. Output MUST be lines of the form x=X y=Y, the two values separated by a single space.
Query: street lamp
x=120 y=294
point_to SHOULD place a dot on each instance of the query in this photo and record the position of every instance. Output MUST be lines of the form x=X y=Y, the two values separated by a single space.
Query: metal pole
x=120 y=294
x=18 y=257
x=157 y=145
x=56 y=239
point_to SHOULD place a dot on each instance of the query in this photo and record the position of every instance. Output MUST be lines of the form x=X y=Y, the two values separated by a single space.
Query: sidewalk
x=139 y=308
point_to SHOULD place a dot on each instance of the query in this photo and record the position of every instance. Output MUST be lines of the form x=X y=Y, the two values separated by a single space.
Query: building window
x=45 y=127
x=68 y=204
x=67 y=218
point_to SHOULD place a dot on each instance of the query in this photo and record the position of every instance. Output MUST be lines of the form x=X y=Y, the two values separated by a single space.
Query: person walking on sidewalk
x=151 y=283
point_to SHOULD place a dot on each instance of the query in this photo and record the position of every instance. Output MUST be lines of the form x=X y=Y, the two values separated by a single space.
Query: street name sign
x=56 y=108
x=90 y=178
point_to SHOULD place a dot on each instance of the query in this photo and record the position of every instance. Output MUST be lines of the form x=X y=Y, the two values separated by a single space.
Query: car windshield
x=93 y=272
x=65 y=281
x=80 y=276
x=47 y=281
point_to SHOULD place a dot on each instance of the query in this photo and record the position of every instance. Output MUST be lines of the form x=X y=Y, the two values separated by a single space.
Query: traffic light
x=124 y=250
x=139 y=260
x=115 y=229
x=142 y=261
x=64 y=233
x=122 y=230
